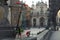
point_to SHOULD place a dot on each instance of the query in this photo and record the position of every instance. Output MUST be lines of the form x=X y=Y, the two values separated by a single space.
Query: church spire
x=45 y=2
x=41 y=0
x=32 y=4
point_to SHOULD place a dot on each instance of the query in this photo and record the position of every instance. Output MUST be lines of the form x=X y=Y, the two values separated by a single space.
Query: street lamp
x=21 y=8
x=17 y=26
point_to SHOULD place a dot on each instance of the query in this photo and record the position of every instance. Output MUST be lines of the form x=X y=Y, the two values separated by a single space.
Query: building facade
x=3 y=13
x=13 y=12
x=28 y=17
x=39 y=15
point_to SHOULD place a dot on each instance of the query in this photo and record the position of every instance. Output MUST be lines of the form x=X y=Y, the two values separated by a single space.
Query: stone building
x=28 y=17
x=3 y=13
x=39 y=15
x=13 y=12
x=25 y=16
x=58 y=18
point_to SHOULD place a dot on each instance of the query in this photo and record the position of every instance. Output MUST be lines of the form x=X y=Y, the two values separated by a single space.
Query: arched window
x=37 y=13
x=42 y=21
x=58 y=17
x=34 y=22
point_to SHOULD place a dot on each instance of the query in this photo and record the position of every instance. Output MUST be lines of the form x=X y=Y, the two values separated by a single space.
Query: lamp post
x=21 y=8
x=17 y=26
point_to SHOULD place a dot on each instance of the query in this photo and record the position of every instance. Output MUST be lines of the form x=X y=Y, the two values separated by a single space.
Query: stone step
x=7 y=32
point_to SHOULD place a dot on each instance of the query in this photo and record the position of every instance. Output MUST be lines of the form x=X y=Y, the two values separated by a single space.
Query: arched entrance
x=54 y=7
x=41 y=20
x=58 y=18
x=34 y=22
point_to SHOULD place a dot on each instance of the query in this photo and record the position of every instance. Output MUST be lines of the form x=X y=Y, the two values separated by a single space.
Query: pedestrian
x=28 y=33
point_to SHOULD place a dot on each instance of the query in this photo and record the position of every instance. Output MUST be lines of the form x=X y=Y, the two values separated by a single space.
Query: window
x=37 y=13
x=34 y=22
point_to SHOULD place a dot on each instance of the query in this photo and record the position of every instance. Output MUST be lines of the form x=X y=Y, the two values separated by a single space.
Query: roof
x=39 y=3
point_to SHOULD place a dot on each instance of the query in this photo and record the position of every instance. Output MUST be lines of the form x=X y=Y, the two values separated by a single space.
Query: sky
x=29 y=2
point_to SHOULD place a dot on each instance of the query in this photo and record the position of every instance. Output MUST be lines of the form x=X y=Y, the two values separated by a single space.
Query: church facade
x=39 y=15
